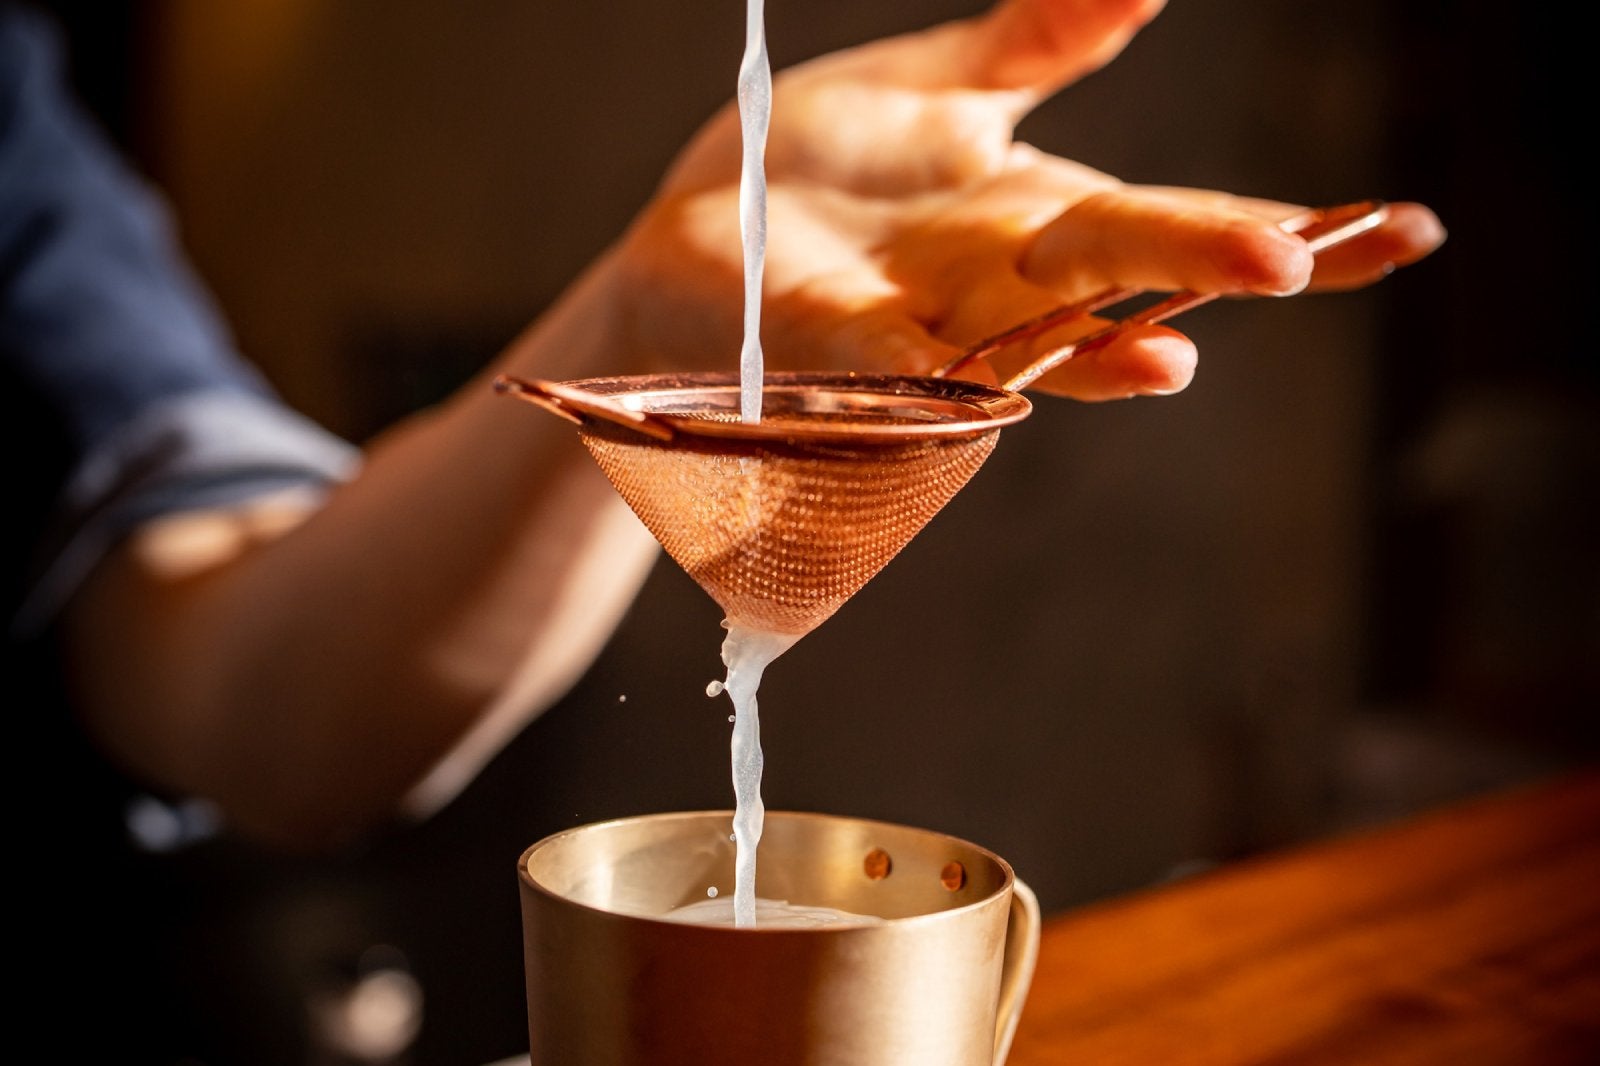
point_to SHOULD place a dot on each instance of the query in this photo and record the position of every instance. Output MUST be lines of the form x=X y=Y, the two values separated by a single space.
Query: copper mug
x=939 y=981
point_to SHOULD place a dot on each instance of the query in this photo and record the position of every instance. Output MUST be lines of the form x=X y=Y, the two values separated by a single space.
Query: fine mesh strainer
x=783 y=520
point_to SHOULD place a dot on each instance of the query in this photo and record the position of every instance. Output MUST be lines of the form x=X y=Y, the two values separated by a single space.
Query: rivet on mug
x=953 y=876
x=877 y=864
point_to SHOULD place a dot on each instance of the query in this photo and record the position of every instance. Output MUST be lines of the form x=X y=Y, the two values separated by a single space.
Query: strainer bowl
x=781 y=521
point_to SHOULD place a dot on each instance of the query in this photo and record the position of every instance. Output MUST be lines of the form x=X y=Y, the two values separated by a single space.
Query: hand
x=905 y=222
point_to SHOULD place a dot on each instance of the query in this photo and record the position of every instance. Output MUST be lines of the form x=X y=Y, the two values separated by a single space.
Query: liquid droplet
x=711 y=893
x=715 y=688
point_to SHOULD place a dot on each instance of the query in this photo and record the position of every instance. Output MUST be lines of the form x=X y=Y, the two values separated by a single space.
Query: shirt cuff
x=201 y=450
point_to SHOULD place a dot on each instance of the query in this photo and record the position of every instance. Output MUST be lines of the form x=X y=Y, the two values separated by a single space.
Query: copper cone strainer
x=783 y=520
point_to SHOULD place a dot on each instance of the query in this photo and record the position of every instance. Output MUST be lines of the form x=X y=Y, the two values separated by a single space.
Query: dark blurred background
x=1347 y=575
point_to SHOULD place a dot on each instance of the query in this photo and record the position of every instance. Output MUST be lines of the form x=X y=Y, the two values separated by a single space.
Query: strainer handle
x=574 y=404
x=1322 y=228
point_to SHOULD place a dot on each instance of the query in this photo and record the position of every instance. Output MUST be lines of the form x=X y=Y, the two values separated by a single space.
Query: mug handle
x=1022 y=952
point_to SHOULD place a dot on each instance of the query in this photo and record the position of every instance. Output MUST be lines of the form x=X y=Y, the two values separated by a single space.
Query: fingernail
x=1282 y=290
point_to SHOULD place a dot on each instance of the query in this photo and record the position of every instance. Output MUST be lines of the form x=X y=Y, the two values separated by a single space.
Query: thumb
x=1042 y=45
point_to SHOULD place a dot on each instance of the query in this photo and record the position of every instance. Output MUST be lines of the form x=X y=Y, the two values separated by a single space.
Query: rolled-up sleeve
x=118 y=380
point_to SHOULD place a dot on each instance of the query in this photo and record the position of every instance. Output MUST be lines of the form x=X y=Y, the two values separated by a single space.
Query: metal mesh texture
x=782 y=534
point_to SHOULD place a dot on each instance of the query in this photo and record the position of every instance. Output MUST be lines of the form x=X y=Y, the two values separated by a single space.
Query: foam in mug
x=877 y=944
x=769 y=914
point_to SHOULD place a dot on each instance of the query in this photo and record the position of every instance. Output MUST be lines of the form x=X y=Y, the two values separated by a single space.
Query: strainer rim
x=968 y=407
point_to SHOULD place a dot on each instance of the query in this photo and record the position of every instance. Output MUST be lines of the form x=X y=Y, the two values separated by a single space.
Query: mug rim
x=1008 y=877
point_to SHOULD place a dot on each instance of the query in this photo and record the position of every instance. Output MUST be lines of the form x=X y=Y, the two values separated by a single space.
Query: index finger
x=1041 y=45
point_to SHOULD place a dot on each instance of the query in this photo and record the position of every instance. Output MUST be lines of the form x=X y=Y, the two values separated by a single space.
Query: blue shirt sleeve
x=117 y=374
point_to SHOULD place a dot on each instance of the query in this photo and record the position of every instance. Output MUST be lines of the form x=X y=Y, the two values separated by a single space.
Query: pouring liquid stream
x=746 y=653
x=755 y=112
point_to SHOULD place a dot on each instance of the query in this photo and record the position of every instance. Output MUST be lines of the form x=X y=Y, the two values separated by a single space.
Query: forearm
x=453 y=589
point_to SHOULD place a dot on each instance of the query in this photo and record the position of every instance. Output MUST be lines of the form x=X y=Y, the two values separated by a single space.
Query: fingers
x=1410 y=232
x=1147 y=361
x=1041 y=45
x=1156 y=239
x=1168 y=238
x=817 y=332
x=1143 y=361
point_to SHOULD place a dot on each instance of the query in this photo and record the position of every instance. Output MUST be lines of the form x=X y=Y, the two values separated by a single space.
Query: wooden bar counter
x=1469 y=935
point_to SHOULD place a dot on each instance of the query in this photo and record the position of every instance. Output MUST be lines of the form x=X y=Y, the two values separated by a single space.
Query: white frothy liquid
x=746 y=653
x=773 y=913
x=755 y=110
